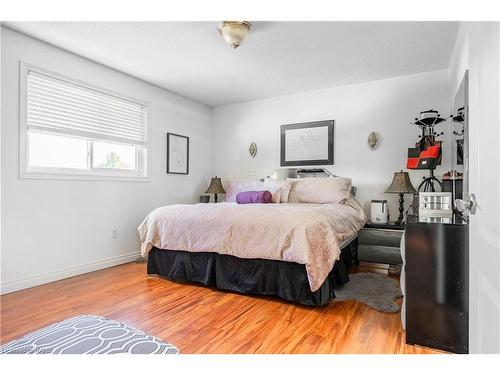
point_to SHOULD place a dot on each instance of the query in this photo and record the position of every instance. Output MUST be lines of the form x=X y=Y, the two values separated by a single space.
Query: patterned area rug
x=376 y=290
x=88 y=334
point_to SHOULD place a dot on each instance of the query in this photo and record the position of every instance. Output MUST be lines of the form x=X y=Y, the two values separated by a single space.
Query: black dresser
x=437 y=283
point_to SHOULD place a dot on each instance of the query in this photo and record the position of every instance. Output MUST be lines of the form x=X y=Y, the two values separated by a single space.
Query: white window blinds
x=60 y=106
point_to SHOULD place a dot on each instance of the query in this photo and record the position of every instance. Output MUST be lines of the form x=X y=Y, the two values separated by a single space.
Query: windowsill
x=80 y=177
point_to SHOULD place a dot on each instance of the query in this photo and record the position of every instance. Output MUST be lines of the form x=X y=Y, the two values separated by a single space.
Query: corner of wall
x=213 y=168
x=459 y=61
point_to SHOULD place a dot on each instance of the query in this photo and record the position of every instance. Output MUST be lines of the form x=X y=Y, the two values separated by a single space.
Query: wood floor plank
x=203 y=320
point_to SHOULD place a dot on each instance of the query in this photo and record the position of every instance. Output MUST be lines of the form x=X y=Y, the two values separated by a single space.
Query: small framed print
x=308 y=143
x=177 y=154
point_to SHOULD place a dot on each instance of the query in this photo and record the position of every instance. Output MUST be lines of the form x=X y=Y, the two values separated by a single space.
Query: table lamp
x=215 y=187
x=401 y=185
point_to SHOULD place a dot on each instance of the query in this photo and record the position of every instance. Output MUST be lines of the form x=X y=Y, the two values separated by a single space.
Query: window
x=72 y=130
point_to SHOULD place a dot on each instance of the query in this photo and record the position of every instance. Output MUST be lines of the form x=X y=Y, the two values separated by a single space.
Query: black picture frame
x=307 y=125
x=170 y=170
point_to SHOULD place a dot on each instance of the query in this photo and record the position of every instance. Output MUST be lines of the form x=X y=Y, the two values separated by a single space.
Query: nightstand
x=204 y=198
x=380 y=245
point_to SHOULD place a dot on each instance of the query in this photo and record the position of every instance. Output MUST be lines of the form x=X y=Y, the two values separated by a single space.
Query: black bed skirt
x=250 y=276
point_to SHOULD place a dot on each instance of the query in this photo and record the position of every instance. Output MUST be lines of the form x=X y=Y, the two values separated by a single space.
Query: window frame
x=143 y=157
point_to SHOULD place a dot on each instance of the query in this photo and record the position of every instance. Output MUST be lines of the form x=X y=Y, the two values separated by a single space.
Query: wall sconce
x=252 y=149
x=373 y=141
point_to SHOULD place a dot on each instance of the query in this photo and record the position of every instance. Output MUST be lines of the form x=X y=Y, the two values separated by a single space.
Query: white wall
x=54 y=229
x=459 y=62
x=385 y=106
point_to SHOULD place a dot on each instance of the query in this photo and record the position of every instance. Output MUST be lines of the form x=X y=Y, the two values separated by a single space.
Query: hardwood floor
x=201 y=320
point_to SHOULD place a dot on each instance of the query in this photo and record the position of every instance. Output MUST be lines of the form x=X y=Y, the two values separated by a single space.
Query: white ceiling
x=191 y=59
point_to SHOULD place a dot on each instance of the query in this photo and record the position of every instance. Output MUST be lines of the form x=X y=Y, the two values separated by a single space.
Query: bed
x=296 y=251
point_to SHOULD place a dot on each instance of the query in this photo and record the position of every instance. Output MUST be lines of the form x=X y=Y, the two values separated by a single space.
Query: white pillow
x=237 y=187
x=320 y=190
x=284 y=185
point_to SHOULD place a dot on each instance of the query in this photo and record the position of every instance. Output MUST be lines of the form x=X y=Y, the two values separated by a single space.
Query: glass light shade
x=234 y=32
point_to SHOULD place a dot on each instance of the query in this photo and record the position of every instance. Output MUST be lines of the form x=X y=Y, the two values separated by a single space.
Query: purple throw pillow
x=254 y=197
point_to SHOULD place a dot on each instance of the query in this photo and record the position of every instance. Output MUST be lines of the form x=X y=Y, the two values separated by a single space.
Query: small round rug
x=373 y=289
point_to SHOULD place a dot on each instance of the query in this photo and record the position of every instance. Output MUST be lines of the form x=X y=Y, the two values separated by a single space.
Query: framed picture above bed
x=177 y=154
x=307 y=143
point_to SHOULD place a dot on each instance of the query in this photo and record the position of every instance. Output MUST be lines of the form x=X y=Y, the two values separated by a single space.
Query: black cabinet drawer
x=380 y=237
x=379 y=254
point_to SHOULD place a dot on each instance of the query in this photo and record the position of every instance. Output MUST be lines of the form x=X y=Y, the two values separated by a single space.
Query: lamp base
x=401 y=208
x=215 y=197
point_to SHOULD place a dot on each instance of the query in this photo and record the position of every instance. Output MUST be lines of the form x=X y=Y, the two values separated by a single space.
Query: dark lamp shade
x=401 y=184
x=215 y=186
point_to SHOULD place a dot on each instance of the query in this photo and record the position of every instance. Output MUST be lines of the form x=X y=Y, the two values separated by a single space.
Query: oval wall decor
x=252 y=149
x=372 y=141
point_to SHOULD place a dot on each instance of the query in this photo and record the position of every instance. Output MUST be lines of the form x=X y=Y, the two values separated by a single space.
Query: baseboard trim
x=29 y=282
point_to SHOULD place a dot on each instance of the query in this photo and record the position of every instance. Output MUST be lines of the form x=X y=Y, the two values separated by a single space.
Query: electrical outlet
x=251 y=172
x=114 y=234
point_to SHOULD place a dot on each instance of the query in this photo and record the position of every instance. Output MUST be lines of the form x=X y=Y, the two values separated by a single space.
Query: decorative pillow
x=285 y=186
x=246 y=197
x=320 y=190
x=237 y=187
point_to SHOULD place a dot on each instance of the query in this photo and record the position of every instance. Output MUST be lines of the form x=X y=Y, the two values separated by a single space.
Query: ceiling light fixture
x=234 y=32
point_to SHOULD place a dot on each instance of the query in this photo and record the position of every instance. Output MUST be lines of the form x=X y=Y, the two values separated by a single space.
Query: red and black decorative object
x=215 y=187
x=427 y=152
x=401 y=185
x=428 y=158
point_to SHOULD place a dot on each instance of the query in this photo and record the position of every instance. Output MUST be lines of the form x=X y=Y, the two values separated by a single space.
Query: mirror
x=457 y=183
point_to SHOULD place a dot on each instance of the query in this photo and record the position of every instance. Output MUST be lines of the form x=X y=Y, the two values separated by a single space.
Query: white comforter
x=309 y=234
